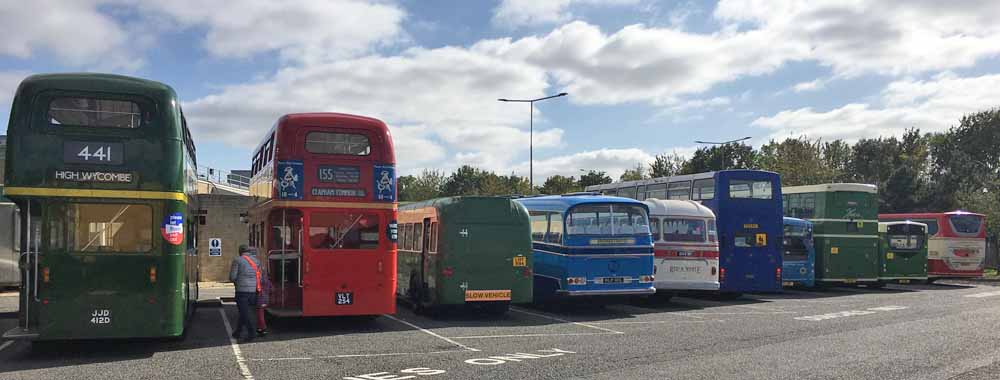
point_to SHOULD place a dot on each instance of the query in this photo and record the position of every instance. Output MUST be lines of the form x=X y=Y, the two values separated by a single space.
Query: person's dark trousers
x=245 y=303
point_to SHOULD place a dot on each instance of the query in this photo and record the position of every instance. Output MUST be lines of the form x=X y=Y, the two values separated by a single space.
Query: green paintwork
x=902 y=264
x=852 y=256
x=478 y=238
x=160 y=154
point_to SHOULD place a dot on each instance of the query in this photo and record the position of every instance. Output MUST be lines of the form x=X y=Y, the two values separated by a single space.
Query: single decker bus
x=747 y=206
x=902 y=252
x=685 y=246
x=799 y=259
x=845 y=229
x=324 y=215
x=103 y=170
x=956 y=245
x=589 y=245
x=468 y=251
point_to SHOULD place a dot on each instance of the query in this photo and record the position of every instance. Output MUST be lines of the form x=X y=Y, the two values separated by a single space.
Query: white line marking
x=982 y=295
x=358 y=355
x=887 y=308
x=431 y=333
x=656 y=322
x=240 y=361
x=739 y=312
x=6 y=344
x=527 y=335
x=564 y=320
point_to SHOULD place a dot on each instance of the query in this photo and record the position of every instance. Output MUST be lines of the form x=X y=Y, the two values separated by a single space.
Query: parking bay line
x=431 y=333
x=240 y=361
x=358 y=355
x=518 y=310
x=982 y=295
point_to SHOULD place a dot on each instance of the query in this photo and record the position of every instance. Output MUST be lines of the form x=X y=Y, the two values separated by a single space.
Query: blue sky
x=644 y=77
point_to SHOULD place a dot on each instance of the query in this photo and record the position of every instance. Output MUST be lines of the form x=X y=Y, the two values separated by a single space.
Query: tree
x=666 y=165
x=466 y=180
x=639 y=172
x=594 y=177
x=799 y=161
x=425 y=186
x=837 y=157
x=558 y=184
x=720 y=157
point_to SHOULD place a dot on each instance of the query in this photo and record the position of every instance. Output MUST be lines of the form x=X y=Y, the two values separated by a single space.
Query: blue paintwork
x=577 y=256
x=801 y=272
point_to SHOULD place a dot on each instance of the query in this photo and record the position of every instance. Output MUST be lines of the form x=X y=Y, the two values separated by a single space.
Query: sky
x=643 y=77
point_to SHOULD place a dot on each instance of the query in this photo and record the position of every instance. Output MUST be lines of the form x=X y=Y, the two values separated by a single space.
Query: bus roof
x=331 y=119
x=796 y=221
x=475 y=208
x=898 y=222
x=831 y=187
x=564 y=202
x=95 y=82
x=676 y=178
x=673 y=207
x=926 y=215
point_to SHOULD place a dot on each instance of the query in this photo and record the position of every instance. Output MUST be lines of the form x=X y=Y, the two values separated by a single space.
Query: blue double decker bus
x=747 y=205
x=799 y=254
x=589 y=245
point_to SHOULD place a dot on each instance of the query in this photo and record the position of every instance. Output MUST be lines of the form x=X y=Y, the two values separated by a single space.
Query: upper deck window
x=704 y=189
x=93 y=112
x=338 y=143
x=749 y=189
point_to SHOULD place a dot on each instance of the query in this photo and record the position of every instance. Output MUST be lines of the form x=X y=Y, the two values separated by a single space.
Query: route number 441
x=100 y=317
x=100 y=153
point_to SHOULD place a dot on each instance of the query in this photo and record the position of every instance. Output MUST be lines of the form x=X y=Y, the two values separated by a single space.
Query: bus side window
x=433 y=244
x=555 y=229
x=539 y=225
x=703 y=189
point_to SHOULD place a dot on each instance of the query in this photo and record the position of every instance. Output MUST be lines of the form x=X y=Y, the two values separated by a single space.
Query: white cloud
x=612 y=161
x=513 y=13
x=930 y=105
x=9 y=80
x=813 y=85
x=449 y=92
x=310 y=31
x=70 y=30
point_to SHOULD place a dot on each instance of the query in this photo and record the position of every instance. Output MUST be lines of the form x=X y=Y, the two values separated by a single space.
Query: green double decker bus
x=473 y=251
x=845 y=232
x=103 y=170
x=902 y=252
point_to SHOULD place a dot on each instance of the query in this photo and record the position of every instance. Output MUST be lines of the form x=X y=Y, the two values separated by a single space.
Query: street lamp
x=725 y=163
x=531 y=132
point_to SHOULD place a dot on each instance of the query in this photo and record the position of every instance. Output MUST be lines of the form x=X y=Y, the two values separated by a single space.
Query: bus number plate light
x=520 y=261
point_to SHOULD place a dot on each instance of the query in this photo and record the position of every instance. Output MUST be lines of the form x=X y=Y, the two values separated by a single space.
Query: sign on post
x=215 y=247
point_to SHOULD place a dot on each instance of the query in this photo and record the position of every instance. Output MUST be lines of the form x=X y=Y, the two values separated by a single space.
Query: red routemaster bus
x=324 y=216
x=956 y=246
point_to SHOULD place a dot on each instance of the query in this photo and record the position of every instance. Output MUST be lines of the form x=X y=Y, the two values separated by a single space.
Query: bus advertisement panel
x=747 y=206
x=472 y=251
x=589 y=245
x=685 y=246
x=956 y=246
x=902 y=251
x=103 y=166
x=799 y=261
x=845 y=229
x=325 y=215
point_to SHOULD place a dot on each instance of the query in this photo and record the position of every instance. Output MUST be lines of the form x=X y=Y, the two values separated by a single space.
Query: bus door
x=284 y=257
x=425 y=262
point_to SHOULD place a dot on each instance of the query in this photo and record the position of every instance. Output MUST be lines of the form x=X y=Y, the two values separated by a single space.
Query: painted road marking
x=518 y=310
x=528 y=335
x=6 y=344
x=240 y=361
x=849 y=313
x=982 y=295
x=431 y=333
x=356 y=356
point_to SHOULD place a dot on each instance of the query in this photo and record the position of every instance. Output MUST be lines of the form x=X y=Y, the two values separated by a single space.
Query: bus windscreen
x=966 y=225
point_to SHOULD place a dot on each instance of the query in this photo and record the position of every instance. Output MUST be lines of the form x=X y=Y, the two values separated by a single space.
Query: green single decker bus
x=103 y=170
x=902 y=251
x=473 y=251
x=845 y=232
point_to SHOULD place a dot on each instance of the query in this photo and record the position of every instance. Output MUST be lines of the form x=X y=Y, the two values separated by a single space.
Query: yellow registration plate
x=520 y=261
x=787 y=283
x=850 y=281
x=487 y=295
x=904 y=281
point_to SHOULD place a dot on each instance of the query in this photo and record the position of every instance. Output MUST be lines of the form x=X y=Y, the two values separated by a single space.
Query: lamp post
x=531 y=132
x=725 y=163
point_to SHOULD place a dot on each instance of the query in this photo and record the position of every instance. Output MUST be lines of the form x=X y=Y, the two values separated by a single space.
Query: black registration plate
x=345 y=298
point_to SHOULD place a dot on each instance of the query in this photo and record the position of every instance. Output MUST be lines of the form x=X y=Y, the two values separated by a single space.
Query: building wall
x=222 y=220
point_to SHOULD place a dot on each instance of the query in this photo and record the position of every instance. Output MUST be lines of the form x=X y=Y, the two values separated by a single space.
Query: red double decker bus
x=324 y=215
x=956 y=246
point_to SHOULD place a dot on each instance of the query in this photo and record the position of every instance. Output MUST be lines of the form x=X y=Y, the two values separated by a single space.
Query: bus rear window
x=337 y=143
x=746 y=189
x=966 y=225
x=93 y=112
x=101 y=227
x=606 y=219
x=345 y=230
x=685 y=230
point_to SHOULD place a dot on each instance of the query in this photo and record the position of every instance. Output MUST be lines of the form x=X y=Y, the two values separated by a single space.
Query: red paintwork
x=937 y=268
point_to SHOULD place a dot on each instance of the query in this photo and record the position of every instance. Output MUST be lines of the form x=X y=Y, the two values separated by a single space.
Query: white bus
x=686 y=246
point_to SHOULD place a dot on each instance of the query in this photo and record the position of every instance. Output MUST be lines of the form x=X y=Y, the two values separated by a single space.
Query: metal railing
x=224 y=177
